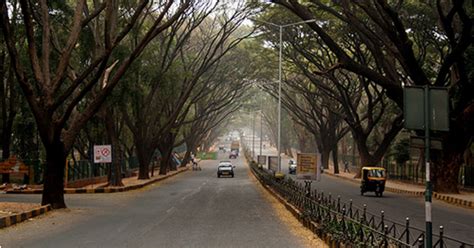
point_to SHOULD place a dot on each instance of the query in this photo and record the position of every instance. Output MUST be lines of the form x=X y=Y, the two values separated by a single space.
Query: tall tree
x=413 y=43
x=69 y=50
x=193 y=47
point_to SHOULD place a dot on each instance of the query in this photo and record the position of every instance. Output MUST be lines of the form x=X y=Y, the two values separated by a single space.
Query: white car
x=292 y=166
x=225 y=168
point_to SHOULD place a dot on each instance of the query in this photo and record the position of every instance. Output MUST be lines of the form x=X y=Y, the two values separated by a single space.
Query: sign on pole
x=273 y=163
x=262 y=159
x=102 y=154
x=308 y=166
x=426 y=108
x=414 y=108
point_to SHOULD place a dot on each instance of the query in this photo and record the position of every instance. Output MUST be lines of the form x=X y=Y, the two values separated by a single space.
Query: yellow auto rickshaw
x=373 y=179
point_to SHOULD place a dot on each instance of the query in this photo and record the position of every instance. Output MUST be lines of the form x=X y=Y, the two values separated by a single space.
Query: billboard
x=273 y=163
x=262 y=159
x=308 y=166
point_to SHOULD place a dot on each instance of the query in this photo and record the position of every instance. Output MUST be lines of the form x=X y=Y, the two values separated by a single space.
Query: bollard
x=441 y=233
x=307 y=186
x=382 y=218
x=385 y=236
x=343 y=220
x=407 y=230
x=338 y=203
x=421 y=243
x=350 y=208
x=363 y=213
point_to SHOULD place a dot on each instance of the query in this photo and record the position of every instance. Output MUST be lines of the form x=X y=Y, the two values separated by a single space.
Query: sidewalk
x=15 y=212
x=464 y=199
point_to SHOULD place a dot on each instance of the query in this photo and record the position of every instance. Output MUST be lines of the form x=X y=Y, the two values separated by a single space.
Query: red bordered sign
x=103 y=154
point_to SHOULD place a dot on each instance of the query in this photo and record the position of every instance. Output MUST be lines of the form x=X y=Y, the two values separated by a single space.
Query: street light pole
x=253 y=137
x=279 y=99
x=279 y=78
x=261 y=132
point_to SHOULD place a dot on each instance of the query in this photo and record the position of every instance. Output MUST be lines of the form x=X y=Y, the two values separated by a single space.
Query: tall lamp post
x=280 y=27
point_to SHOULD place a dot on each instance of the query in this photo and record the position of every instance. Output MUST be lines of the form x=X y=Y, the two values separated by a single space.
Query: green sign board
x=414 y=108
x=262 y=159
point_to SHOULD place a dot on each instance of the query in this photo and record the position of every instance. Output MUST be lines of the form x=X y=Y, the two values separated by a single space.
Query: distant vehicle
x=373 y=179
x=235 y=146
x=233 y=154
x=292 y=166
x=225 y=168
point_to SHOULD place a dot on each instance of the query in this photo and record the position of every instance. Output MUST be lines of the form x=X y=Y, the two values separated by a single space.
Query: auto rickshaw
x=373 y=179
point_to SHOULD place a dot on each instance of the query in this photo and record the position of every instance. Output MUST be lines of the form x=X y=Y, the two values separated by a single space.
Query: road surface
x=458 y=222
x=193 y=209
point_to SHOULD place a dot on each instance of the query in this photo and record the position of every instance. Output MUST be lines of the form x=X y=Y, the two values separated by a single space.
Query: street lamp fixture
x=280 y=27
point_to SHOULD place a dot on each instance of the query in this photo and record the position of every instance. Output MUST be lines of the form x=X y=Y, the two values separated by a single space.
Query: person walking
x=346 y=166
x=193 y=161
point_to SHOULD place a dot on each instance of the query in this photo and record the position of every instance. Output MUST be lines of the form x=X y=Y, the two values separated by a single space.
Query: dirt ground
x=10 y=208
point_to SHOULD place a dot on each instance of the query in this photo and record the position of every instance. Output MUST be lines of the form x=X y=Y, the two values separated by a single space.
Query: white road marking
x=453 y=222
x=172 y=209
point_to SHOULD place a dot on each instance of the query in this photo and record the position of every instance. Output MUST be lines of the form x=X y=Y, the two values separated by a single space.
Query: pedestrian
x=346 y=166
x=193 y=161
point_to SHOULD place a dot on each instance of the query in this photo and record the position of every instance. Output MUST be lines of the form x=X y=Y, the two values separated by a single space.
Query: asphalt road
x=193 y=209
x=458 y=222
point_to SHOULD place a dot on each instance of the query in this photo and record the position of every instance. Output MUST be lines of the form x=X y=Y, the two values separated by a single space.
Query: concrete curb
x=101 y=190
x=442 y=197
x=454 y=200
x=17 y=218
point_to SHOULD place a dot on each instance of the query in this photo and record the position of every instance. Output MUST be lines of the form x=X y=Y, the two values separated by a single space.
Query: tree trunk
x=187 y=157
x=445 y=169
x=325 y=158
x=165 y=163
x=115 y=179
x=53 y=186
x=6 y=137
x=335 y=159
x=144 y=158
x=7 y=117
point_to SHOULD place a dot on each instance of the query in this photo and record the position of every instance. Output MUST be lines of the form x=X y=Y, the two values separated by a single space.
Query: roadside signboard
x=102 y=154
x=273 y=163
x=262 y=159
x=426 y=108
x=308 y=166
x=414 y=108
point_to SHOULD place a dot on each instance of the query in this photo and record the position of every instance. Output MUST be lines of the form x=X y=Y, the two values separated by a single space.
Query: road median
x=15 y=218
x=130 y=184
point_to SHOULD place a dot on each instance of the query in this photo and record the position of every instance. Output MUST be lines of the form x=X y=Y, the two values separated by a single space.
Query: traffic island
x=14 y=217
x=130 y=184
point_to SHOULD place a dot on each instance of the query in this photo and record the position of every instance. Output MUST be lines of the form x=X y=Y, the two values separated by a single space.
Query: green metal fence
x=351 y=226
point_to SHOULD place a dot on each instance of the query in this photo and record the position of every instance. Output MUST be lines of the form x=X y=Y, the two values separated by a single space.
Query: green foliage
x=25 y=139
x=401 y=151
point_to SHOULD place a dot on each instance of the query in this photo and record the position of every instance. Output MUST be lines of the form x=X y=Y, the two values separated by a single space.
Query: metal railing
x=347 y=223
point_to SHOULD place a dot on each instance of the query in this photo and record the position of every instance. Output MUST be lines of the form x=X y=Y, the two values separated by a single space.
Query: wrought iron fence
x=349 y=224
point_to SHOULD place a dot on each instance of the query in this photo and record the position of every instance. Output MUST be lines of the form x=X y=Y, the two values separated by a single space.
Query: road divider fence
x=345 y=223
